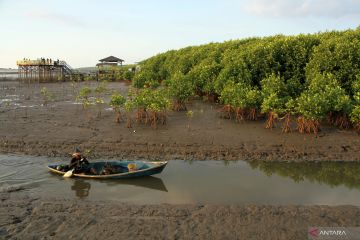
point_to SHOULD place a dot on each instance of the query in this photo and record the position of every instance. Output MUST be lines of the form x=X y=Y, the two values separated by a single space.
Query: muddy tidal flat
x=29 y=126
x=37 y=205
x=29 y=218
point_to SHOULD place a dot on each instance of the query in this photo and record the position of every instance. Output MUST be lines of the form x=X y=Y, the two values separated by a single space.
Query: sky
x=83 y=31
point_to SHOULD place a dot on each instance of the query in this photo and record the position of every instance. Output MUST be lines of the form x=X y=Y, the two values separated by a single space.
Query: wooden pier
x=43 y=70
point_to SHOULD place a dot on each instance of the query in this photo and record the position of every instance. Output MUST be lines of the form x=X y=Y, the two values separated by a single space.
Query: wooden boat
x=119 y=169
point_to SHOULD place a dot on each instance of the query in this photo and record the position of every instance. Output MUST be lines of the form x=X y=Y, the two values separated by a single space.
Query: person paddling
x=78 y=162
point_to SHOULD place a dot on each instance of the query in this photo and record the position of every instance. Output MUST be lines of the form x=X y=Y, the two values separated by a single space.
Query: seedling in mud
x=117 y=101
x=84 y=96
x=128 y=106
x=190 y=115
x=46 y=95
x=100 y=90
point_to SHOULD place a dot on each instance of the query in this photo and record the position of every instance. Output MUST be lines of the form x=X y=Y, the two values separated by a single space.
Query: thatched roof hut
x=111 y=60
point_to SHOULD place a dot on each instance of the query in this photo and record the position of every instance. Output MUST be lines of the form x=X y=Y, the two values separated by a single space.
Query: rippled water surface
x=195 y=182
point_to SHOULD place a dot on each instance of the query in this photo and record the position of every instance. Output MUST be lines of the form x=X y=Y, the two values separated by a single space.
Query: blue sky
x=83 y=31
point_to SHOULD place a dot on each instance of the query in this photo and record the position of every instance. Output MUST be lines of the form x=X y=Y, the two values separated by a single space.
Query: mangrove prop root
x=153 y=120
x=226 y=111
x=212 y=97
x=312 y=126
x=252 y=114
x=339 y=120
x=163 y=118
x=239 y=114
x=179 y=106
x=118 y=117
x=342 y=122
x=270 y=122
x=287 y=123
x=331 y=118
x=307 y=126
x=128 y=121
x=157 y=118
x=300 y=121
x=141 y=116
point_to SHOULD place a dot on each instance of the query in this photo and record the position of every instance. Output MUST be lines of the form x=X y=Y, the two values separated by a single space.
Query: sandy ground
x=28 y=218
x=55 y=130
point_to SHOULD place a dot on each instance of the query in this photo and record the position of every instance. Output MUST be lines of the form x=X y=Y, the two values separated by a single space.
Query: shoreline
x=143 y=151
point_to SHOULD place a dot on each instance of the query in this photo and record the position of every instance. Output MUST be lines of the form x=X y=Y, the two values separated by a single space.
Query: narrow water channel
x=182 y=182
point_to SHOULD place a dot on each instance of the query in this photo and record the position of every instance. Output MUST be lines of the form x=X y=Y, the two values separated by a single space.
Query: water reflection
x=82 y=187
x=228 y=182
x=330 y=173
x=149 y=182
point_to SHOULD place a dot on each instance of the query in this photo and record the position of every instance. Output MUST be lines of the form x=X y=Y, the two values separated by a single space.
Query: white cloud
x=303 y=8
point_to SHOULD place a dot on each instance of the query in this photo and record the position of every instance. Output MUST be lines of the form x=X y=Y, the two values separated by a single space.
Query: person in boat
x=78 y=163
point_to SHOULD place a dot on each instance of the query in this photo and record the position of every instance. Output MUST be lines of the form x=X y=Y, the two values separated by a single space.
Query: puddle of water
x=28 y=106
x=196 y=182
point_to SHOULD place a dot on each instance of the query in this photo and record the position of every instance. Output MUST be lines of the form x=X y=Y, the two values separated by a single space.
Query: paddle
x=68 y=173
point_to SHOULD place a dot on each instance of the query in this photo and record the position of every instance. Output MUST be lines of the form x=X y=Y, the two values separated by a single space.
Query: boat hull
x=145 y=169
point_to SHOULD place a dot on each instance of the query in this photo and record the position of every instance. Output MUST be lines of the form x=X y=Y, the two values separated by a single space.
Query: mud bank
x=29 y=126
x=29 y=218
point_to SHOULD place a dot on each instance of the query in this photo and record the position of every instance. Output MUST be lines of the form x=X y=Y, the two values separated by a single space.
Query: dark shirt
x=78 y=164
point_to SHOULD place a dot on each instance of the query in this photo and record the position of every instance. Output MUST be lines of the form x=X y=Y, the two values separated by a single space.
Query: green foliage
x=129 y=75
x=116 y=73
x=355 y=113
x=324 y=95
x=275 y=95
x=129 y=105
x=153 y=100
x=339 y=55
x=181 y=87
x=190 y=114
x=240 y=96
x=204 y=75
x=117 y=100
x=85 y=92
x=308 y=75
x=234 y=71
x=89 y=78
x=84 y=97
x=145 y=79
x=75 y=78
